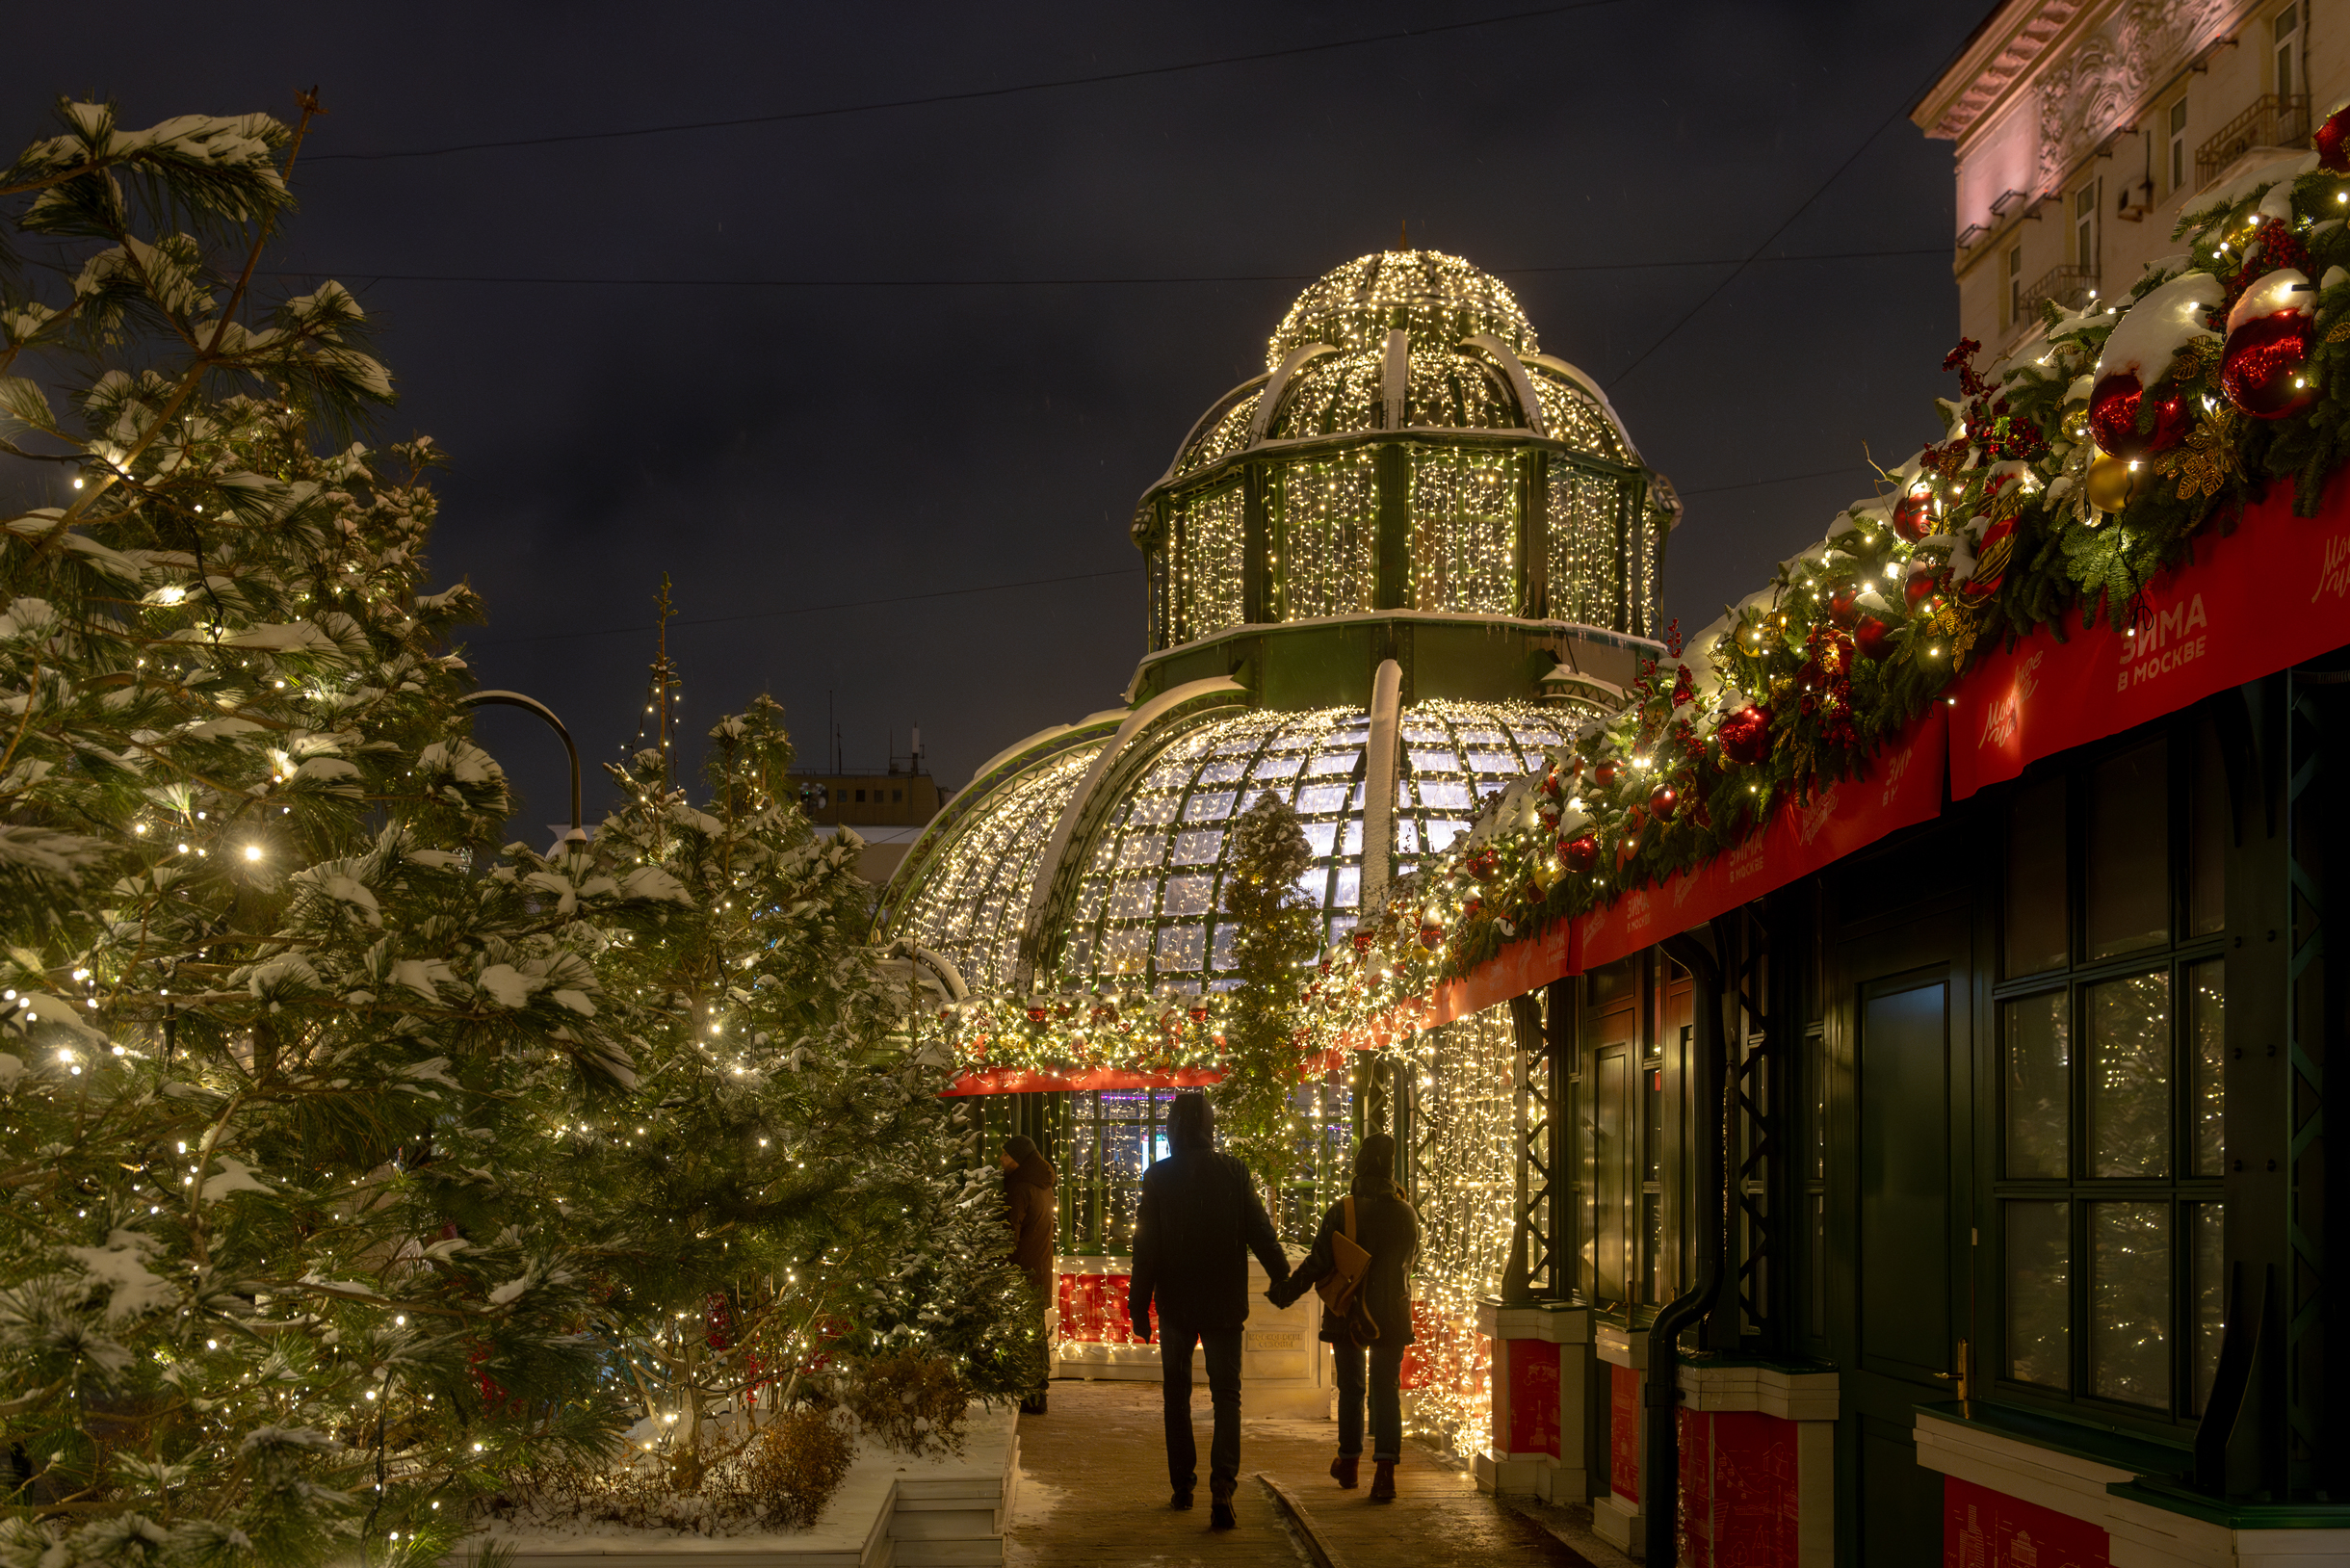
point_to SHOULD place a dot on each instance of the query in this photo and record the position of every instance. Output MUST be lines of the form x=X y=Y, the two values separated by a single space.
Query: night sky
x=784 y=448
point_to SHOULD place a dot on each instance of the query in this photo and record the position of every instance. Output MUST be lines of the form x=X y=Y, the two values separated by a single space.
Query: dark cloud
x=771 y=448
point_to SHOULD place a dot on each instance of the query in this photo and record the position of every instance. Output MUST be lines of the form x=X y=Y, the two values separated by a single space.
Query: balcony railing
x=2068 y=286
x=2271 y=121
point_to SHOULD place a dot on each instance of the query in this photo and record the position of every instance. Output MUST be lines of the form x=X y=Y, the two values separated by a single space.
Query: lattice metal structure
x=1758 y=1078
x=1532 y=1272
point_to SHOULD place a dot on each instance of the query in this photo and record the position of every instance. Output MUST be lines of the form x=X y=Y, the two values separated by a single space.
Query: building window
x=2284 y=39
x=2015 y=285
x=2111 y=1022
x=2084 y=229
x=1630 y=1115
x=2177 y=123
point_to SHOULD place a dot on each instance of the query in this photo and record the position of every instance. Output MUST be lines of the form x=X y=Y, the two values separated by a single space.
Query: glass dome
x=1407 y=416
x=1436 y=297
x=1147 y=909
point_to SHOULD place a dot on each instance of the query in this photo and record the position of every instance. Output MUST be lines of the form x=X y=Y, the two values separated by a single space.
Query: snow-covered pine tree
x=271 y=1018
x=1273 y=947
x=791 y=1191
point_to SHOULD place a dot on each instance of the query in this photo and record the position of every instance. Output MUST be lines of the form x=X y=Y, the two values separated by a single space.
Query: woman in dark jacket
x=1027 y=1196
x=1386 y=1228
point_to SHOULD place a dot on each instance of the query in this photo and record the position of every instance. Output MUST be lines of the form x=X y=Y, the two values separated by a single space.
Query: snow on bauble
x=2265 y=367
x=2138 y=355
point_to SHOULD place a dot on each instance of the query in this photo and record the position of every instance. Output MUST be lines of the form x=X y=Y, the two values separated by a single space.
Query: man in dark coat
x=1027 y=1197
x=1199 y=1221
x=1368 y=1341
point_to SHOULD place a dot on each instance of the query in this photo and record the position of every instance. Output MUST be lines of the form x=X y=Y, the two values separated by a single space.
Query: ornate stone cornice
x=2011 y=38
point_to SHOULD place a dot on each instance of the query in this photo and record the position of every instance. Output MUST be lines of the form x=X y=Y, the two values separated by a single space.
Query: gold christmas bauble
x=2113 y=481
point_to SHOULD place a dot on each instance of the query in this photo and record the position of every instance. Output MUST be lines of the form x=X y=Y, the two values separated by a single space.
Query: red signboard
x=1624 y=1432
x=1901 y=785
x=1738 y=1497
x=2271 y=595
x=1534 y=1398
x=1983 y=1529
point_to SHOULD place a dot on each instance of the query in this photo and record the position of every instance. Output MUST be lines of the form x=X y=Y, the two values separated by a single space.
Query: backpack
x=1341 y=1289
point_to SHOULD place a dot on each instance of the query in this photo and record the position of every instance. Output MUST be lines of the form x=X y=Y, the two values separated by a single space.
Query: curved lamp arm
x=515 y=699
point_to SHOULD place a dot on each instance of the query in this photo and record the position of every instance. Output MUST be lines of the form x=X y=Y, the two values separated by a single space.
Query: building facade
x=2084 y=131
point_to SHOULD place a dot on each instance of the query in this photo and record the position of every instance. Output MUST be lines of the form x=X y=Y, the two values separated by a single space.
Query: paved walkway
x=1093 y=1491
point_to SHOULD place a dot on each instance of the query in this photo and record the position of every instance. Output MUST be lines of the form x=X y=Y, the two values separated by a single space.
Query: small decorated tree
x=1277 y=934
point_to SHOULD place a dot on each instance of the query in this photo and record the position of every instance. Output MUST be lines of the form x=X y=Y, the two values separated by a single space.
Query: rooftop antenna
x=663 y=675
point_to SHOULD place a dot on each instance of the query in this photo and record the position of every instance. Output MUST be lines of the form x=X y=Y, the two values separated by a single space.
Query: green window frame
x=2105 y=1226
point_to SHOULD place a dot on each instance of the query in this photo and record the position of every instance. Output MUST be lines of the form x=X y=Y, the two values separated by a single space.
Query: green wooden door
x=1904 y=1227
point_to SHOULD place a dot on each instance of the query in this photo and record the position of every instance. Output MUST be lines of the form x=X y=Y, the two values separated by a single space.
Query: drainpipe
x=1660 y=1394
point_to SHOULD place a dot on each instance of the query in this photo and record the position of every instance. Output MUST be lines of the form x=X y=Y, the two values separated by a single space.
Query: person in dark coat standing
x=1028 y=1178
x=1385 y=1227
x=1199 y=1221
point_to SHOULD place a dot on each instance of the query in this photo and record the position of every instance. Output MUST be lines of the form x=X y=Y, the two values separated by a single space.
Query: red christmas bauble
x=1919 y=586
x=1844 y=605
x=2113 y=417
x=1199 y=1015
x=1036 y=1015
x=1604 y=776
x=1431 y=937
x=1913 y=516
x=1745 y=735
x=1873 y=637
x=1661 y=800
x=2264 y=365
x=1580 y=853
x=1991 y=558
x=2333 y=142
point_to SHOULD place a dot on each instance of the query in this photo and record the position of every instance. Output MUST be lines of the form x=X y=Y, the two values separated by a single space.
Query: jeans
x=1386 y=1399
x=1223 y=1348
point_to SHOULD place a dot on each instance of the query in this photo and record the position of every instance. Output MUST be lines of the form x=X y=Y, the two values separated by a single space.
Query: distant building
x=2084 y=130
x=887 y=808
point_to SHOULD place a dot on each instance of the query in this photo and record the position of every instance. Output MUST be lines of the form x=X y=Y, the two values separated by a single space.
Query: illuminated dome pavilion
x=1383 y=575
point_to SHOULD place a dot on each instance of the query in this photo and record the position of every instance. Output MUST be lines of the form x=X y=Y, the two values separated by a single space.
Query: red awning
x=1021 y=1081
x=2269 y=595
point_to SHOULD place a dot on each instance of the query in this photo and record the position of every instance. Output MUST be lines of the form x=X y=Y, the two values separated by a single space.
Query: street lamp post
x=515 y=699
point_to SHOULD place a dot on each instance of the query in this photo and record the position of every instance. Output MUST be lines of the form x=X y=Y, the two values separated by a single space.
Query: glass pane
x=2036 y=916
x=2210 y=1294
x=2128 y=860
x=2039 y=1294
x=2207 y=1010
x=2209 y=832
x=2129 y=1077
x=2130 y=1295
x=2039 y=1087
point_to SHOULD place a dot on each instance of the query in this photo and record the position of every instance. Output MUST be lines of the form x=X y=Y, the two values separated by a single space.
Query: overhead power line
x=1901 y=109
x=642 y=627
x=550 y=280
x=1758 y=483
x=974 y=95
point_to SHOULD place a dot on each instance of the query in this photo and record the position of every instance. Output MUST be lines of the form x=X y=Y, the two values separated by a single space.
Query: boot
x=1180 y=1499
x=1343 y=1468
x=1220 y=1515
x=1383 y=1482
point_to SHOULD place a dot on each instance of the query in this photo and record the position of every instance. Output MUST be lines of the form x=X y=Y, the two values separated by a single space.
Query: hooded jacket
x=1034 y=1211
x=1199 y=1221
x=1386 y=1227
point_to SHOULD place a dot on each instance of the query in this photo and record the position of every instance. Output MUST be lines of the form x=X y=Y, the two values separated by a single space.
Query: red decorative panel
x=1983 y=1529
x=1624 y=1431
x=1093 y=1309
x=1738 y=1490
x=1533 y=1397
